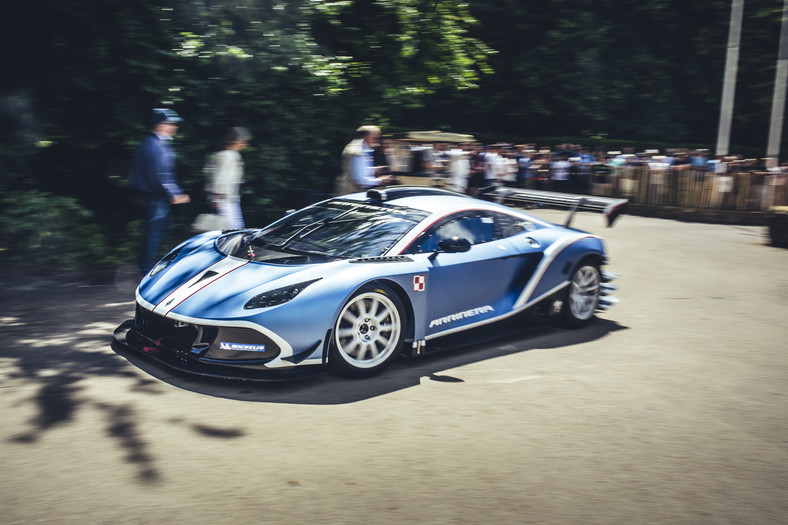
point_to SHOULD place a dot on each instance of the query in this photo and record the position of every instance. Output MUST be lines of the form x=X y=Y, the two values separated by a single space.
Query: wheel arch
x=406 y=302
x=402 y=295
x=596 y=258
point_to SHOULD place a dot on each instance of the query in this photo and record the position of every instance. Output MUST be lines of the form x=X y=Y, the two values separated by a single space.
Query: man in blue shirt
x=699 y=160
x=153 y=179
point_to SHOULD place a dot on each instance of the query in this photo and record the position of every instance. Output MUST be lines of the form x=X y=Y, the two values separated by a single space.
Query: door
x=480 y=284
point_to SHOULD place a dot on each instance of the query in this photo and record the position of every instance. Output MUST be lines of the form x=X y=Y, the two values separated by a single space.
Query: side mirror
x=453 y=245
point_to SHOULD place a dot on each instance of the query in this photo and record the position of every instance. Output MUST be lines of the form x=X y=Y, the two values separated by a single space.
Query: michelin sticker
x=242 y=347
x=473 y=312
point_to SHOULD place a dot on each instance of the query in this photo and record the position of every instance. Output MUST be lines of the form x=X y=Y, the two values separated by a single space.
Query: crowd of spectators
x=564 y=167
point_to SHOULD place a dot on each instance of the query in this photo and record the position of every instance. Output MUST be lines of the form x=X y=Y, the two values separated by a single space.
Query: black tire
x=582 y=294
x=368 y=332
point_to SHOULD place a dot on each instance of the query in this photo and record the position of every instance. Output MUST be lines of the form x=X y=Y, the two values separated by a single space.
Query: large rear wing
x=611 y=207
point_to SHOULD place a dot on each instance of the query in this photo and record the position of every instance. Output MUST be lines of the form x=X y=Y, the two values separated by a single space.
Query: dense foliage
x=82 y=75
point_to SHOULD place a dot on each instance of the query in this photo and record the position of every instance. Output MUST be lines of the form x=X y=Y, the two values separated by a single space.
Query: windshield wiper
x=314 y=253
x=304 y=232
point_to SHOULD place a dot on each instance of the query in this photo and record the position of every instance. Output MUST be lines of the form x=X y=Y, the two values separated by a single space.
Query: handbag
x=207 y=222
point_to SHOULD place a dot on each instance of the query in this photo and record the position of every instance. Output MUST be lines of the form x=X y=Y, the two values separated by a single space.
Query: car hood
x=204 y=283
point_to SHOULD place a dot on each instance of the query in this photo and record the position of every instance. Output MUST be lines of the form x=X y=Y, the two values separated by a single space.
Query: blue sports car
x=353 y=281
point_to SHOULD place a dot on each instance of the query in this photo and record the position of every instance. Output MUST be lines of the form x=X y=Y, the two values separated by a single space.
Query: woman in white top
x=225 y=171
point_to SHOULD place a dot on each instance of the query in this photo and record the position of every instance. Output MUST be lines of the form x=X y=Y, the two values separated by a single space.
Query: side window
x=507 y=225
x=477 y=229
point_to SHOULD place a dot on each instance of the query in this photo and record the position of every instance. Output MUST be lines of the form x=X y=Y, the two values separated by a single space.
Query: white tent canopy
x=435 y=136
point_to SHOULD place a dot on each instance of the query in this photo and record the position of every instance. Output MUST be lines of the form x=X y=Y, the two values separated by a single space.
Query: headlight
x=165 y=262
x=277 y=296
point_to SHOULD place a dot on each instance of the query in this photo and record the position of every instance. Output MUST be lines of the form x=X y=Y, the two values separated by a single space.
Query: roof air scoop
x=400 y=192
x=377 y=196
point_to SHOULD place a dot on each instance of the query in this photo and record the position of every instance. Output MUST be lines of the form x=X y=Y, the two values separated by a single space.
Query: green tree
x=643 y=71
x=302 y=75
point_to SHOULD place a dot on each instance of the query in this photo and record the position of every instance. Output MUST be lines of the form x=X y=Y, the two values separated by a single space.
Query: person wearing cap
x=153 y=179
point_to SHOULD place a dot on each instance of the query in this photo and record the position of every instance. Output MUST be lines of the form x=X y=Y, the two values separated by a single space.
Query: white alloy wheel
x=583 y=295
x=368 y=332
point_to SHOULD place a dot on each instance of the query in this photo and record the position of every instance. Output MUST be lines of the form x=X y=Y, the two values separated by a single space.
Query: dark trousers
x=156 y=214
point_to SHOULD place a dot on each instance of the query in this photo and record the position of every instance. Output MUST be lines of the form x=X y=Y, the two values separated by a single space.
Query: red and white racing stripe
x=198 y=282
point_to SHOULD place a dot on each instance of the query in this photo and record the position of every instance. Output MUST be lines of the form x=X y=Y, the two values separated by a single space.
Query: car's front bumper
x=208 y=350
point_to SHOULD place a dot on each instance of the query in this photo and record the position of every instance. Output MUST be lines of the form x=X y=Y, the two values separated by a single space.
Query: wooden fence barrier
x=690 y=188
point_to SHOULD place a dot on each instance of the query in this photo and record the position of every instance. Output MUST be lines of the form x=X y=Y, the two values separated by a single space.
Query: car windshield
x=331 y=230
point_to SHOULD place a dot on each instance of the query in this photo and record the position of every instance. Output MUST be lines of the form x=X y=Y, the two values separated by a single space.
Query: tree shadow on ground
x=54 y=337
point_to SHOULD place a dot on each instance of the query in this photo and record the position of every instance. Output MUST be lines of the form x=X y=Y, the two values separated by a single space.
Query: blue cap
x=161 y=115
